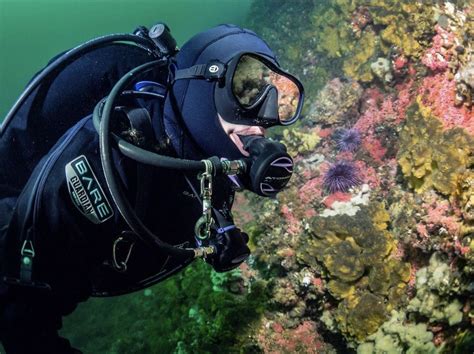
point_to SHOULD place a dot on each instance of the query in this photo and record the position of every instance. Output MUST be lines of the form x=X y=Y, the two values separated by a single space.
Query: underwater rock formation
x=465 y=84
x=400 y=74
x=336 y=102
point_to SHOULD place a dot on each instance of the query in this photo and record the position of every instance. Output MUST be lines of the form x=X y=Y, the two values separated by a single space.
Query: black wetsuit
x=73 y=255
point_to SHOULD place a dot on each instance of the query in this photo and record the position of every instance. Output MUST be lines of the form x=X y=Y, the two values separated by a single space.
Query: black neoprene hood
x=191 y=118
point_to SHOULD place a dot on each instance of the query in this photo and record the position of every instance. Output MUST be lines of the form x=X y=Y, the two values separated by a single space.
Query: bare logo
x=86 y=192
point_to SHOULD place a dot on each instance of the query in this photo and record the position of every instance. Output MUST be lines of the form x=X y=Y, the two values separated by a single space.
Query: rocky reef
x=383 y=265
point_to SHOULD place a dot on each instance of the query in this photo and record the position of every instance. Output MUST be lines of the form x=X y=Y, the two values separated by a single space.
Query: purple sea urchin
x=341 y=176
x=347 y=139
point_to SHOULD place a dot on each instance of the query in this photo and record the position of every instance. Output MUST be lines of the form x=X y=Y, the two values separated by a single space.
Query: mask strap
x=214 y=70
x=194 y=72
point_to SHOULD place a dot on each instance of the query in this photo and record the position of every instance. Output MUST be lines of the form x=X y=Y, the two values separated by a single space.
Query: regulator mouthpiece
x=270 y=165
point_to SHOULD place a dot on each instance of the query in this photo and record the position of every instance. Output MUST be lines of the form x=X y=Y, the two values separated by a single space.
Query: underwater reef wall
x=371 y=248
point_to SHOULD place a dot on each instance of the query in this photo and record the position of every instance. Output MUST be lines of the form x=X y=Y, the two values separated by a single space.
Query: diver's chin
x=234 y=131
x=236 y=138
x=238 y=142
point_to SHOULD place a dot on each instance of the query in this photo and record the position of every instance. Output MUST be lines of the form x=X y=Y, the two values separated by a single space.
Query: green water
x=33 y=31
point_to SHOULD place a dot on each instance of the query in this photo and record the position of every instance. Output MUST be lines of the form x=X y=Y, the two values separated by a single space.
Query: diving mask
x=251 y=89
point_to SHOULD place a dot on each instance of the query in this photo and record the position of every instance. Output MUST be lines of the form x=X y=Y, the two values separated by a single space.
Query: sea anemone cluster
x=341 y=176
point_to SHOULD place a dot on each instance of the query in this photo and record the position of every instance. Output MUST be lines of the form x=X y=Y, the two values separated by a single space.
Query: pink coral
x=275 y=338
x=246 y=272
x=460 y=249
x=338 y=196
x=437 y=57
x=368 y=174
x=441 y=214
x=371 y=116
x=277 y=327
x=421 y=229
x=438 y=93
x=412 y=280
x=378 y=108
x=400 y=64
x=399 y=251
x=405 y=96
x=324 y=133
x=313 y=188
x=345 y=155
x=374 y=147
x=382 y=109
x=318 y=284
x=293 y=224
x=309 y=213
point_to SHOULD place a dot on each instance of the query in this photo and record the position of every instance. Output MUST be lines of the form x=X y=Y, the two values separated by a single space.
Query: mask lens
x=288 y=96
x=252 y=77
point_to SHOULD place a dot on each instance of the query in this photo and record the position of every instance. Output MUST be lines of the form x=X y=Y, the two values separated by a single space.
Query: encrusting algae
x=355 y=253
x=300 y=142
x=431 y=157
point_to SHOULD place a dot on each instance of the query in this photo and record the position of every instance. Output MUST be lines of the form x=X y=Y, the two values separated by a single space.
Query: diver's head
x=226 y=83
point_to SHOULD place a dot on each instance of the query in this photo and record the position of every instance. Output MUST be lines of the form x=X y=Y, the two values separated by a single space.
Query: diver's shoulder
x=120 y=51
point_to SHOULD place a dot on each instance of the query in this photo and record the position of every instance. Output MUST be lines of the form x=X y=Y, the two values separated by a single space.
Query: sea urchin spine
x=341 y=176
x=347 y=140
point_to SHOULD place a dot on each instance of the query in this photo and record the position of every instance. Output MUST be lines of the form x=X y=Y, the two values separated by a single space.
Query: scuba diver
x=119 y=164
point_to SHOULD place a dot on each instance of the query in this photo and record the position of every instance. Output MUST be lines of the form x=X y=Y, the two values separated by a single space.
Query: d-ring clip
x=121 y=266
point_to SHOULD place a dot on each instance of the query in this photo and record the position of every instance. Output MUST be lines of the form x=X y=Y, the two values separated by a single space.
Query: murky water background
x=33 y=31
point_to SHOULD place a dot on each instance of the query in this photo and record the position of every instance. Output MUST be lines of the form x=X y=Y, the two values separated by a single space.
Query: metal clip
x=122 y=265
x=203 y=252
x=26 y=266
x=27 y=249
x=202 y=229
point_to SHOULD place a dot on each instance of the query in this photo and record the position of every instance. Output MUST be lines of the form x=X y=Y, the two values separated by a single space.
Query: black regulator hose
x=150 y=158
x=141 y=155
x=74 y=53
x=111 y=178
